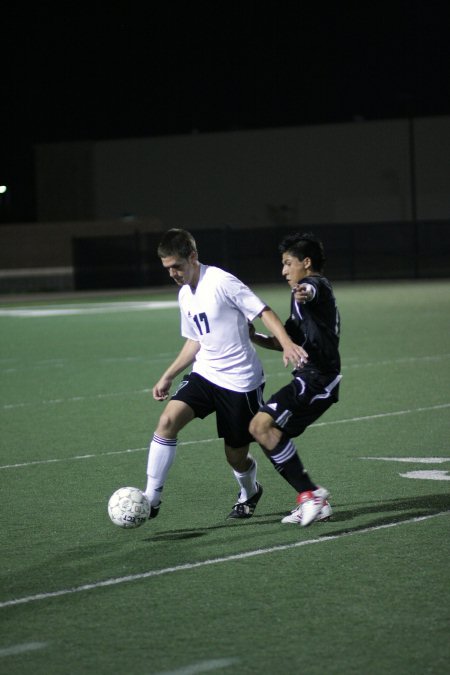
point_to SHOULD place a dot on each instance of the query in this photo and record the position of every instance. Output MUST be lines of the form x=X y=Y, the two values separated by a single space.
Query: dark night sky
x=122 y=69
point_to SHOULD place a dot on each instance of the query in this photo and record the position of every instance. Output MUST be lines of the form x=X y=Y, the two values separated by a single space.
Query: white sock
x=161 y=455
x=247 y=482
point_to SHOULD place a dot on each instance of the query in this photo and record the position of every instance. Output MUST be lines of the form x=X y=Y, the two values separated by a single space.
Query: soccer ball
x=128 y=507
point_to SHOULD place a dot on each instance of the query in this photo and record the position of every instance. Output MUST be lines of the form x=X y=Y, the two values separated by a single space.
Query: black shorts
x=301 y=402
x=233 y=409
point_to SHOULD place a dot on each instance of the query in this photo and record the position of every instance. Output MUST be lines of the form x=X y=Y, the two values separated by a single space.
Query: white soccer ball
x=128 y=507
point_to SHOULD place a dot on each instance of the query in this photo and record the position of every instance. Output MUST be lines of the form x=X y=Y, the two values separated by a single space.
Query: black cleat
x=154 y=510
x=246 y=509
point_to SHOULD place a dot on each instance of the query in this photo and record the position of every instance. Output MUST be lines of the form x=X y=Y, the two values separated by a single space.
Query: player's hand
x=161 y=389
x=303 y=293
x=295 y=355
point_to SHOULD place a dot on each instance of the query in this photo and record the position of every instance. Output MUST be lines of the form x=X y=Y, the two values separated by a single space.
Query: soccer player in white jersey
x=313 y=323
x=227 y=376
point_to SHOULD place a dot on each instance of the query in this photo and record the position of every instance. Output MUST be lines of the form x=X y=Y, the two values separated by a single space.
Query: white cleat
x=313 y=506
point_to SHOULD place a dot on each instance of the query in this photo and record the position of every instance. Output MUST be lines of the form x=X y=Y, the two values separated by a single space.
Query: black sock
x=293 y=472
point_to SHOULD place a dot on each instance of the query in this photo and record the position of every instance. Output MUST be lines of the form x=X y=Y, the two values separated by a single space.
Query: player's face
x=182 y=270
x=294 y=270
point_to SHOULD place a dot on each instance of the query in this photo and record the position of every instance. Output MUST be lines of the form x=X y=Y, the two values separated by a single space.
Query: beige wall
x=65 y=188
x=354 y=172
x=433 y=167
x=358 y=172
x=341 y=173
x=50 y=244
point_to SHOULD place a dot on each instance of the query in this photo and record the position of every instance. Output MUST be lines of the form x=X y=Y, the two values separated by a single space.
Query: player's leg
x=162 y=449
x=281 y=451
x=192 y=398
x=234 y=410
x=286 y=415
x=244 y=468
x=312 y=499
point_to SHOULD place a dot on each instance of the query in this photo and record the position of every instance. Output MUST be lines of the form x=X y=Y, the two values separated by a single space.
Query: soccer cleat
x=246 y=509
x=313 y=506
x=154 y=510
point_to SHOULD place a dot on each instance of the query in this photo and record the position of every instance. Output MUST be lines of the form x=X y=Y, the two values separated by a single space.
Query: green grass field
x=366 y=593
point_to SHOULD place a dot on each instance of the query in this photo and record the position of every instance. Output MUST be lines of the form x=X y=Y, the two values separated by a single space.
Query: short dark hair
x=177 y=242
x=305 y=245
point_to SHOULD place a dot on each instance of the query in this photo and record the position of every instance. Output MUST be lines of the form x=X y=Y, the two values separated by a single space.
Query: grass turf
x=364 y=593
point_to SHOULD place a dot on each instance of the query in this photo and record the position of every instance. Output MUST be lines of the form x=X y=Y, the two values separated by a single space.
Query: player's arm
x=262 y=340
x=183 y=360
x=292 y=353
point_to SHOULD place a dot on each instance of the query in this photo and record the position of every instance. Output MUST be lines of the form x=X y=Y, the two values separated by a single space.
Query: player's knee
x=260 y=425
x=166 y=425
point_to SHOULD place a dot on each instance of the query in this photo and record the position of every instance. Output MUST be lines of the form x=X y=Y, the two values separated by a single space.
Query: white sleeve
x=240 y=296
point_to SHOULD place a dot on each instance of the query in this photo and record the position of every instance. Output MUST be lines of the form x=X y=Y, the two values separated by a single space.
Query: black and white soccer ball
x=128 y=507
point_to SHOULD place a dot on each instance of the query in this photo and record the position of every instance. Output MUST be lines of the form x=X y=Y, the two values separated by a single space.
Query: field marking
x=365 y=418
x=21 y=649
x=100 y=454
x=75 y=399
x=101 y=308
x=201 y=667
x=9 y=366
x=59 y=363
x=376 y=364
x=430 y=474
x=212 y=561
x=390 y=362
x=426 y=475
x=414 y=460
x=63 y=363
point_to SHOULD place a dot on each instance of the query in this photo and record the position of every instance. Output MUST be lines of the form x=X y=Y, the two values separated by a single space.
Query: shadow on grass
x=190 y=533
x=80 y=564
x=390 y=511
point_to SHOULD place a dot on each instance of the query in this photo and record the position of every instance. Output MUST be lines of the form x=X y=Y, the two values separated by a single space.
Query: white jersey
x=216 y=315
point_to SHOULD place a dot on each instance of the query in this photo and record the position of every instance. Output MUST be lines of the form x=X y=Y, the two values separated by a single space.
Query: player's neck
x=195 y=278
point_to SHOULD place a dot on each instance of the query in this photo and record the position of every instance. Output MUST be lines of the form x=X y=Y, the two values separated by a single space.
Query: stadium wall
x=381 y=182
x=374 y=171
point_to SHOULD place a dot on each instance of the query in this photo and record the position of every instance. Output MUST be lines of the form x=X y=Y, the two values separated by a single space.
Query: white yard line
x=374 y=364
x=100 y=454
x=212 y=561
x=15 y=365
x=348 y=420
x=364 y=418
x=72 y=399
x=413 y=460
x=100 y=308
x=75 y=399
x=16 y=650
x=201 y=667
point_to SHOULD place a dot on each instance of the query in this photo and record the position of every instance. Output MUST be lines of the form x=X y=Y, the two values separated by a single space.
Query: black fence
x=354 y=252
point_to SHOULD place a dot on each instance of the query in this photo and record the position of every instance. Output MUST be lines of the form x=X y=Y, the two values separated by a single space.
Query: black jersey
x=315 y=326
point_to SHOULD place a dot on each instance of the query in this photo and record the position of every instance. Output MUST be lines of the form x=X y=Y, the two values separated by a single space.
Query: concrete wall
x=39 y=256
x=432 y=166
x=65 y=187
x=364 y=172
x=332 y=173
x=359 y=172
x=355 y=172
x=49 y=244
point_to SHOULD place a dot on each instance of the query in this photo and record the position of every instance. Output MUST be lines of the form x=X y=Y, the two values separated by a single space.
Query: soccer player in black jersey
x=314 y=324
